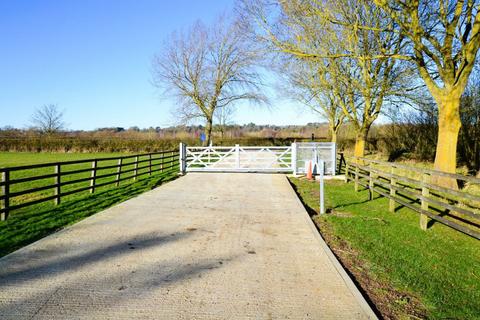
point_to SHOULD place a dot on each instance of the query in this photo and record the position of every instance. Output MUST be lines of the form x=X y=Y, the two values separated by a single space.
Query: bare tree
x=224 y=117
x=351 y=59
x=312 y=85
x=208 y=68
x=48 y=119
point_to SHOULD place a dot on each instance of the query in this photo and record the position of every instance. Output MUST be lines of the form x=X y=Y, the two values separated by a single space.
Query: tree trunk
x=360 y=141
x=333 y=134
x=448 y=129
x=208 y=132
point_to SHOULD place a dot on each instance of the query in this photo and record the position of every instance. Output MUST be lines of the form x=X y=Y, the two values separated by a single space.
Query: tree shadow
x=359 y=202
x=34 y=223
x=77 y=281
x=454 y=217
x=343 y=205
x=400 y=206
x=27 y=265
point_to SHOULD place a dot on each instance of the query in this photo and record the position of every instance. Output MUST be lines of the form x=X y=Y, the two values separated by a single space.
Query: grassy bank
x=404 y=271
x=29 y=224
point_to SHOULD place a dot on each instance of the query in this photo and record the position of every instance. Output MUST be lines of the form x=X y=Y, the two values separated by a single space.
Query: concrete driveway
x=205 y=246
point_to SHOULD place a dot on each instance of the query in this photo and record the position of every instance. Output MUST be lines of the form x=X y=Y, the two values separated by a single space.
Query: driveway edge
x=346 y=278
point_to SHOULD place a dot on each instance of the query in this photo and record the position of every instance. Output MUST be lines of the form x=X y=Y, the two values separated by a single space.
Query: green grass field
x=406 y=272
x=31 y=223
x=11 y=159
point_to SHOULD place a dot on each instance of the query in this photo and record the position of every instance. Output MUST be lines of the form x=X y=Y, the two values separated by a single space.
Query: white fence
x=286 y=159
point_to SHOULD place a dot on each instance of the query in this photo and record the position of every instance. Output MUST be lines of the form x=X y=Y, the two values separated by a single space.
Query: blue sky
x=93 y=59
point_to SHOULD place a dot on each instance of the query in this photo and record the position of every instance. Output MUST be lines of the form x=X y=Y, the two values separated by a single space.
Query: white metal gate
x=287 y=159
x=238 y=159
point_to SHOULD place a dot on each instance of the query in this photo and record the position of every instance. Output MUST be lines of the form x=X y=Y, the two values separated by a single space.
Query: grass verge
x=404 y=271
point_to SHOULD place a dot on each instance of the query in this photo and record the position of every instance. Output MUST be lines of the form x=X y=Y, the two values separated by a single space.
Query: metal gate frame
x=237 y=159
x=267 y=159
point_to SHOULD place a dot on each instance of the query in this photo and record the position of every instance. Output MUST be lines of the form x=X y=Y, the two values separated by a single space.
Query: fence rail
x=23 y=186
x=415 y=188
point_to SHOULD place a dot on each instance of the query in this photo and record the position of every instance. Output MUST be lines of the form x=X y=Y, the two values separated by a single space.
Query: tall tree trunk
x=208 y=132
x=360 y=141
x=448 y=129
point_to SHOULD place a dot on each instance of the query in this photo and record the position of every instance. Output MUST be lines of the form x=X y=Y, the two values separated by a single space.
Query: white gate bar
x=294 y=158
x=237 y=155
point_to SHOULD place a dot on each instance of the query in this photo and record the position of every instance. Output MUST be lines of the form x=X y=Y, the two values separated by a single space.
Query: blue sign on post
x=202 y=137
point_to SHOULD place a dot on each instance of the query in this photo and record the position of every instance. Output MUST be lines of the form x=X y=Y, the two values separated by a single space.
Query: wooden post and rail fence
x=407 y=186
x=416 y=189
x=24 y=186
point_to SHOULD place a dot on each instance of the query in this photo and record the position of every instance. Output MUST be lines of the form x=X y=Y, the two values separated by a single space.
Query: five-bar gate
x=281 y=159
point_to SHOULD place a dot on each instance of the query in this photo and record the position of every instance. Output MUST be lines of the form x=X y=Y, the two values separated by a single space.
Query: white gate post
x=294 y=158
x=182 y=158
x=321 y=165
x=237 y=156
x=334 y=159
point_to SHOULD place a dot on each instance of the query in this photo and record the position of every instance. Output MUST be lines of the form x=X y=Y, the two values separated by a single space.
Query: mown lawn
x=406 y=272
x=11 y=159
x=29 y=224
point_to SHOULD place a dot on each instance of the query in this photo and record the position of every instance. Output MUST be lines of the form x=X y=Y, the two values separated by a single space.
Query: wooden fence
x=415 y=188
x=24 y=186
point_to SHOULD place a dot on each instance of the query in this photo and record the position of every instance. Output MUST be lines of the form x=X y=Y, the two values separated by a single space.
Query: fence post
x=6 y=193
x=322 y=196
x=135 y=171
x=93 y=176
x=57 y=182
x=162 y=157
x=150 y=164
x=294 y=158
x=370 y=185
x=393 y=192
x=182 y=158
x=356 y=177
x=346 y=172
x=339 y=169
x=425 y=193
x=119 y=172
x=237 y=156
